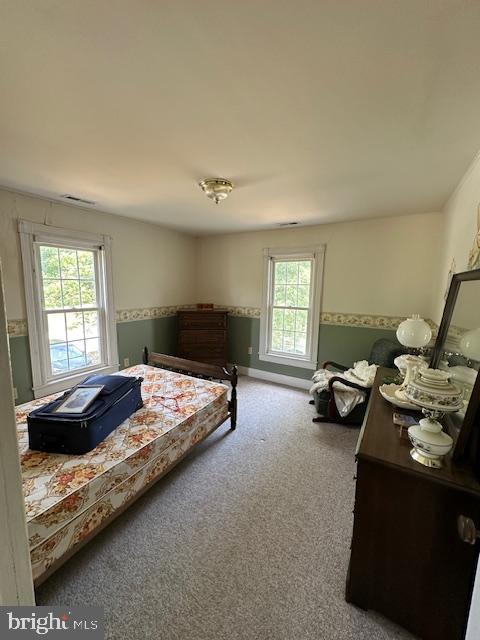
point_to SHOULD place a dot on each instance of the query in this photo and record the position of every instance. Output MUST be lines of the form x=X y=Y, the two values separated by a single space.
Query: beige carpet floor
x=248 y=538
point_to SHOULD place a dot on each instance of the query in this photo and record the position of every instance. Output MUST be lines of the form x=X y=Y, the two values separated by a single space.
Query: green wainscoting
x=343 y=344
x=158 y=334
x=21 y=368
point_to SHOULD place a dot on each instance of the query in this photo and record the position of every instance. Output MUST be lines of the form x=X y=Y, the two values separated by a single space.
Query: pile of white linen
x=346 y=398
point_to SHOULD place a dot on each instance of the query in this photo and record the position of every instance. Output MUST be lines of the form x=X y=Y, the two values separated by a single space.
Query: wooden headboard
x=198 y=370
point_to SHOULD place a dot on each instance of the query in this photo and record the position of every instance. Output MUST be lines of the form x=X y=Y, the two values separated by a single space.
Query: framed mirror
x=457 y=349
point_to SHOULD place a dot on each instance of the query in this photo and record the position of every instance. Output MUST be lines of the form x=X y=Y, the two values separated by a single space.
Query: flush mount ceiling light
x=216 y=189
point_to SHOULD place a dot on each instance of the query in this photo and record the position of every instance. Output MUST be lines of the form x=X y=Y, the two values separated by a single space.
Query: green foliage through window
x=291 y=306
x=71 y=307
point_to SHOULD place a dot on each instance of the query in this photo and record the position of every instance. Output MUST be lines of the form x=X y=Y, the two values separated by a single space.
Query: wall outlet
x=126 y=362
x=15 y=393
x=250 y=351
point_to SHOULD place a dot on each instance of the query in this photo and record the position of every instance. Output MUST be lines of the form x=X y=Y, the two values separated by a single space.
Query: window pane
x=289 y=320
x=90 y=319
x=303 y=295
x=277 y=340
x=289 y=341
x=291 y=295
x=52 y=294
x=86 y=264
x=76 y=354
x=92 y=351
x=300 y=343
x=292 y=272
x=49 y=261
x=56 y=328
x=68 y=263
x=74 y=326
x=87 y=291
x=280 y=272
x=301 y=321
x=279 y=297
x=277 y=320
x=304 y=269
x=73 y=316
x=71 y=293
x=58 y=357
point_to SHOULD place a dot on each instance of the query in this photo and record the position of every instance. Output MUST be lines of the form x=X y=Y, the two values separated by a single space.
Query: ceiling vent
x=287 y=224
x=77 y=200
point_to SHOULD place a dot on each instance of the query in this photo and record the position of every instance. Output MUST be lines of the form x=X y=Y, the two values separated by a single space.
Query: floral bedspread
x=57 y=487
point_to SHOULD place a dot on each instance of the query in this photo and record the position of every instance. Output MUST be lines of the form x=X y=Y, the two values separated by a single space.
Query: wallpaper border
x=18 y=328
x=368 y=321
x=149 y=313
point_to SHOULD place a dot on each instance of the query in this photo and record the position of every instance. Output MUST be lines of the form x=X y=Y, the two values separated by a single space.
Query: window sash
x=101 y=339
x=273 y=260
x=48 y=374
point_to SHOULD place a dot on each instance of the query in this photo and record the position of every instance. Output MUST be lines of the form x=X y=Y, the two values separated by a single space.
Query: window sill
x=66 y=383
x=290 y=362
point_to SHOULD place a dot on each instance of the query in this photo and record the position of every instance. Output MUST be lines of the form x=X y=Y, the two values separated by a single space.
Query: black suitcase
x=58 y=432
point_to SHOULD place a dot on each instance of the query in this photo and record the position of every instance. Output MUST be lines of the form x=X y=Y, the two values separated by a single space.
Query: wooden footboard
x=198 y=370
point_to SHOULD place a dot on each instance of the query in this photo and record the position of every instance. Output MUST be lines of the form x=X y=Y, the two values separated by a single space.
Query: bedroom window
x=70 y=310
x=291 y=306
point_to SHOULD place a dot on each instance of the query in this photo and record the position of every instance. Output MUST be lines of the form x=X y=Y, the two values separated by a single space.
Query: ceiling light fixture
x=216 y=189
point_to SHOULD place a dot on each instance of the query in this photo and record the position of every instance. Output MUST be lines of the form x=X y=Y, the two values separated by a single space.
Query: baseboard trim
x=277 y=378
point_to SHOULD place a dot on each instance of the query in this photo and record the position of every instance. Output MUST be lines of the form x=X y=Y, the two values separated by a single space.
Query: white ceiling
x=319 y=110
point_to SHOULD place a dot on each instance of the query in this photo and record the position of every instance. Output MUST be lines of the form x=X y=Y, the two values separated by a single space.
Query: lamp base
x=434 y=462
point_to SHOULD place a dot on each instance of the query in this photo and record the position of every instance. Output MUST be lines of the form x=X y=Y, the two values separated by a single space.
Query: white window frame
x=31 y=234
x=316 y=253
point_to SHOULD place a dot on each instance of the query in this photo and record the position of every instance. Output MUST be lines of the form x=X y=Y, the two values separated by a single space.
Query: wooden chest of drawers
x=408 y=560
x=202 y=335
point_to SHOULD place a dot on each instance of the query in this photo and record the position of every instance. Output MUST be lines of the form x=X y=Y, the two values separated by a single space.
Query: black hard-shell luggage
x=59 y=432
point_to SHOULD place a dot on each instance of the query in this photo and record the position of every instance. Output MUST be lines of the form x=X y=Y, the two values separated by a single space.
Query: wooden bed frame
x=187 y=367
x=199 y=370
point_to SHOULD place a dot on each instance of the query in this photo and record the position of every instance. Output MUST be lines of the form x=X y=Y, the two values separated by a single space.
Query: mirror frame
x=474 y=404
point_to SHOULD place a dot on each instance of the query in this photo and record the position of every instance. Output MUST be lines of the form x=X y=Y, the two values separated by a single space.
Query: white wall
x=381 y=266
x=16 y=586
x=152 y=266
x=461 y=227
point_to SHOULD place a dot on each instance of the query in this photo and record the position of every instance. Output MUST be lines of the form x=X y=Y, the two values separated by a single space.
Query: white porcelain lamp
x=414 y=332
x=470 y=344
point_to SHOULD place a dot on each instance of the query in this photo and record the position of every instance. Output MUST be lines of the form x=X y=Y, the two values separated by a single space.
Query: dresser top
x=380 y=442
x=203 y=310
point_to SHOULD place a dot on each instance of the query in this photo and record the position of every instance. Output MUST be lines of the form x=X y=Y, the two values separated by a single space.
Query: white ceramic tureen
x=433 y=391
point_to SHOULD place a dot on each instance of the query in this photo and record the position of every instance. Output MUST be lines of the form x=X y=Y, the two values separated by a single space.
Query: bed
x=69 y=499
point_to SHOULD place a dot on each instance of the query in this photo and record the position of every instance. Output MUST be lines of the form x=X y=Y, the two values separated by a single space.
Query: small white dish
x=387 y=391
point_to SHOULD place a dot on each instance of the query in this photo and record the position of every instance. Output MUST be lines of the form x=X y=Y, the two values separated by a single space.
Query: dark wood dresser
x=408 y=560
x=202 y=335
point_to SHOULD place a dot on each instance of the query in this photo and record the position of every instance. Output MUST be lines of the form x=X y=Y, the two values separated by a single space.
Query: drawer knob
x=467 y=530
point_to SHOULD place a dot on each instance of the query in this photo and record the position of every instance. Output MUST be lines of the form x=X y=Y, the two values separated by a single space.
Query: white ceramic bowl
x=387 y=391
